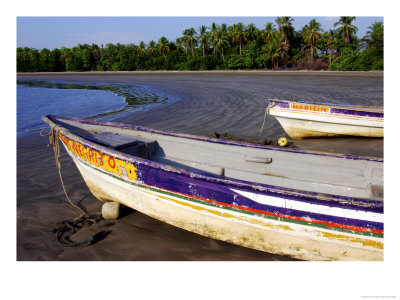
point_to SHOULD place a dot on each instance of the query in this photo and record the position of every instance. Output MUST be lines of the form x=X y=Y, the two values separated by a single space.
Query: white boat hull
x=300 y=128
x=310 y=120
x=258 y=233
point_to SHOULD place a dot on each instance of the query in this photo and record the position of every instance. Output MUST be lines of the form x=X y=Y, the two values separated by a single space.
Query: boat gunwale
x=213 y=140
x=287 y=193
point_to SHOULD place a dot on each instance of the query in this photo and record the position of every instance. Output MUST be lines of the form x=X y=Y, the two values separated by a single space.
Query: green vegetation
x=219 y=47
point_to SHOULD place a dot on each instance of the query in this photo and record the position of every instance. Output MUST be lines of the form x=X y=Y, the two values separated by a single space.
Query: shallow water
x=99 y=101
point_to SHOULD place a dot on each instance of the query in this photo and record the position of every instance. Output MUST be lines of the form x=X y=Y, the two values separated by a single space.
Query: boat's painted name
x=309 y=107
x=99 y=159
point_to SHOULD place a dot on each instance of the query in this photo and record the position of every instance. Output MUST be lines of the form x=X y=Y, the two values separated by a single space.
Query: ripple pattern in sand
x=236 y=103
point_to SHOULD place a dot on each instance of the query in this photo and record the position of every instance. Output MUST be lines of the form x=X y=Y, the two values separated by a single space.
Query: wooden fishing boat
x=306 y=120
x=308 y=205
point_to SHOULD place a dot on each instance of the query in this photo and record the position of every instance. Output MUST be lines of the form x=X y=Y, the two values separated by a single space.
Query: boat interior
x=314 y=172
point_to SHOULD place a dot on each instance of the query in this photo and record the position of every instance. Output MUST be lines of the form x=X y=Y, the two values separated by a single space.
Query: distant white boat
x=306 y=120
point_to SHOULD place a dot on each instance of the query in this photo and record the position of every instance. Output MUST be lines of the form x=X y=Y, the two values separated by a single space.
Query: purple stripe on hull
x=283 y=104
x=188 y=185
x=354 y=112
x=290 y=194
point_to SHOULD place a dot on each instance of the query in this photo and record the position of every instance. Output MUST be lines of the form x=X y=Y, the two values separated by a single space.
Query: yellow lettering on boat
x=120 y=165
x=309 y=107
x=104 y=161
x=131 y=171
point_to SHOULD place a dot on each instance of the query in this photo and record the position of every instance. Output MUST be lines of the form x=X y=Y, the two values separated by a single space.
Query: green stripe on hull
x=298 y=222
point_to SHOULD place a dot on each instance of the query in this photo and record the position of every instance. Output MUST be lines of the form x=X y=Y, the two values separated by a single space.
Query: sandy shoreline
x=221 y=72
x=40 y=198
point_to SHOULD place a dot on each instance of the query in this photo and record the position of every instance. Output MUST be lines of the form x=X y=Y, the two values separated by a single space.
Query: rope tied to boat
x=84 y=218
x=265 y=116
x=54 y=142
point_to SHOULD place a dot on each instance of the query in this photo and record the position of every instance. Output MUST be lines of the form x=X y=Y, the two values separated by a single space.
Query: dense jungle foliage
x=221 y=47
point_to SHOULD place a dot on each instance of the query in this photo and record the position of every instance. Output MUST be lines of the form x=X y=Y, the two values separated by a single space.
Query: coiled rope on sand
x=83 y=219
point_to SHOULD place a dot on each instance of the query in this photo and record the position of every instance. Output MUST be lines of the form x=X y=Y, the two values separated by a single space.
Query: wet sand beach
x=232 y=102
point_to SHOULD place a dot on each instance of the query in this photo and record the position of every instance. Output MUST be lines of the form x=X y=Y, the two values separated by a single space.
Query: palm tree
x=189 y=39
x=212 y=34
x=346 y=30
x=285 y=28
x=275 y=56
x=280 y=22
x=268 y=33
x=269 y=50
x=311 y=34
x=251 y=32
x=203 y=38
x=163 y=46
x=329 y=37
x=281 y=54
x=179 y=44
x=238 y=35
x=224 y=28
x=152 y=48
x=221 y=41
x=374 y=36
x=184 y=42
x=95 y=53
x=142 y=47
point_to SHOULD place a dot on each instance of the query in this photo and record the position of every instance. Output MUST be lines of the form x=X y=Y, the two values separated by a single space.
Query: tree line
x=220 y=47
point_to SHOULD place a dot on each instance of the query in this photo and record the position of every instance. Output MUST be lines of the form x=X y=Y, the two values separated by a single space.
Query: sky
x=56 y=32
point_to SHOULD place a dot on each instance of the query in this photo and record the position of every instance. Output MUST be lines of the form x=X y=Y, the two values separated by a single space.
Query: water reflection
x=136 y=96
